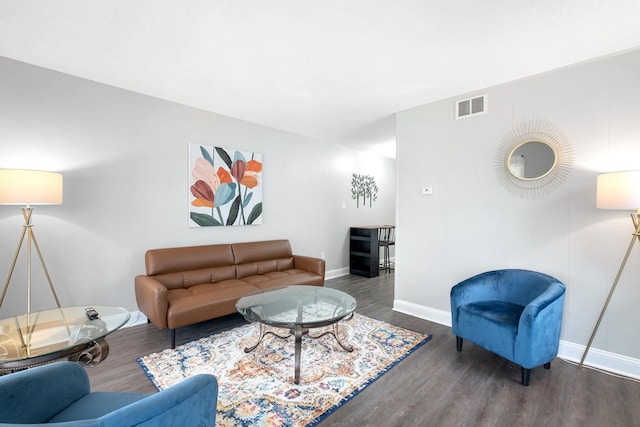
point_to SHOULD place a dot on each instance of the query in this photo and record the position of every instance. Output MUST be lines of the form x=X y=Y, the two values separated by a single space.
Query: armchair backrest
x=23 y=393
x=510 y=285
x=59 y=393
x=521 y=286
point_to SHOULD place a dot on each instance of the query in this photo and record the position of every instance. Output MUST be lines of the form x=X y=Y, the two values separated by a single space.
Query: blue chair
x=516 y=314
x=58 y=394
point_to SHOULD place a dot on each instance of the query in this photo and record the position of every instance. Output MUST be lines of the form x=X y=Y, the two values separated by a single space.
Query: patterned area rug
x=257 y=389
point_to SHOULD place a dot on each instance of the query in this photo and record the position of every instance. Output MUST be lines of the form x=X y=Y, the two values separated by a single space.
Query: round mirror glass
x=531 y=160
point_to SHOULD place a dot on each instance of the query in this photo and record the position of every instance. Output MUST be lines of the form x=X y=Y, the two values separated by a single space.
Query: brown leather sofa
x=188 y=285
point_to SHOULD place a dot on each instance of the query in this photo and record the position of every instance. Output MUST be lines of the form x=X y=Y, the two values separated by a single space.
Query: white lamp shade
x=30 y=187
x=618 y=190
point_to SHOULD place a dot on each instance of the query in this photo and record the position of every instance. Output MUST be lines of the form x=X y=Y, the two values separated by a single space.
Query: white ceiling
x=335 y=70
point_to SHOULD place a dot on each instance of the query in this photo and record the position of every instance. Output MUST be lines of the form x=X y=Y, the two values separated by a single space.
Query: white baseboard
x=423 y=312
x=338 y=272
x=598 y=359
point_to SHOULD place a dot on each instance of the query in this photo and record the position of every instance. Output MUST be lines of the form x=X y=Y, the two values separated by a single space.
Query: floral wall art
x=363 y=186
x=225 y=186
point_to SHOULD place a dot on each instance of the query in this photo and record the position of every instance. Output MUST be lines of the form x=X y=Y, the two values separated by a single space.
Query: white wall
x=124 y=160
x=471 y=223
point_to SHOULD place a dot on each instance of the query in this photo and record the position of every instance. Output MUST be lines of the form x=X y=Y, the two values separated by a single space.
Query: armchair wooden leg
x=458 y=343
x=173 y=338
x=547 y=365
x=526 y=374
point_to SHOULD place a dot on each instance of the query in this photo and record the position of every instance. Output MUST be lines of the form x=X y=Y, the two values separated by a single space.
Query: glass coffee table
x=65 y=333
x=298 y=309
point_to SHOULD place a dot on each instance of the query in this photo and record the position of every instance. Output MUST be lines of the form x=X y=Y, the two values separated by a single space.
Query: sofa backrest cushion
x=186 y=279
x=173 y=260
x=253 y=258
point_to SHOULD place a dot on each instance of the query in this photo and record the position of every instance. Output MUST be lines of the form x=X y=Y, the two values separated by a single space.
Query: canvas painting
x=225 y=186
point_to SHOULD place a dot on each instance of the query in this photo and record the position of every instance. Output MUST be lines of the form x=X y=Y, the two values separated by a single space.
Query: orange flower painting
x=225 y=186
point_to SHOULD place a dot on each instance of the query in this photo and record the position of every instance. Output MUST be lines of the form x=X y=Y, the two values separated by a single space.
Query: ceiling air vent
x=471 y=106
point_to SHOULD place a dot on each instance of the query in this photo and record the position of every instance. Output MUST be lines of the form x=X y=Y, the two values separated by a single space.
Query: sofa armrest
x=152 y=299
x=191 y=402
x=310 y=264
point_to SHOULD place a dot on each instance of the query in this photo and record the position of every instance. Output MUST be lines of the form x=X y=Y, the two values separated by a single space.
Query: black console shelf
x=364 y=254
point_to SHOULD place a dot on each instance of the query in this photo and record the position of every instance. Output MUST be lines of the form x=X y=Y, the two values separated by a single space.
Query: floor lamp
x=29 y=187
x=621 y=191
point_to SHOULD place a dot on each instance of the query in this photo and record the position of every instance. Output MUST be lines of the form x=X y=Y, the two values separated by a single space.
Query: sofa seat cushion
x=206 y=301
x=205 y=288
x=284 y=278
x=255 y=278
x=491 y=324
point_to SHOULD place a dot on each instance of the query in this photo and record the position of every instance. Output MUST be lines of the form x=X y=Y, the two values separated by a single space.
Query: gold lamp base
x=635 y=235
x=27 y=231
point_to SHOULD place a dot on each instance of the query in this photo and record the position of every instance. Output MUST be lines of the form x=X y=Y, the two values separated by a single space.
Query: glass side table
x=65 y=333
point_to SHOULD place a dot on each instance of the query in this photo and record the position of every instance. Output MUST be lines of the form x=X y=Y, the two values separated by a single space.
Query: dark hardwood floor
x=434 y=386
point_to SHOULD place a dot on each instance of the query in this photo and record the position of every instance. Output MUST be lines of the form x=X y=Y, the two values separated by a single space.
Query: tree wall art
x=363 y=186
x=225 y=186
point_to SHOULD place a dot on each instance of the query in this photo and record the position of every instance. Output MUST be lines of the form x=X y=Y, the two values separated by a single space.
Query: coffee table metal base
x=298 y=331
x=89 y=354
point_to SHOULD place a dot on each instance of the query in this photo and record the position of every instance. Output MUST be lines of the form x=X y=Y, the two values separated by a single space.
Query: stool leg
x=386 y=258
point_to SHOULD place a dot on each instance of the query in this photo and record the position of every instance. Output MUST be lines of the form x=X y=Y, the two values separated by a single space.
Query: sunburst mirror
x=534 y=159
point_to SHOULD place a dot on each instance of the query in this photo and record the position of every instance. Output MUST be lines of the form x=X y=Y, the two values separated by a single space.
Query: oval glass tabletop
x=303 y=305
x=53 y=331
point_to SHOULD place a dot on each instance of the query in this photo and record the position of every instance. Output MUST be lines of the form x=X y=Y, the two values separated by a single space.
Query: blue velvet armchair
x=58 y=394
x=516 y=314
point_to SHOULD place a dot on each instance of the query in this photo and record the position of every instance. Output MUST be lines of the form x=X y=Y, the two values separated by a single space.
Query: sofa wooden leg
x=458 y=343
x=173 y=338
x=547 y=365
x=526 y=374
